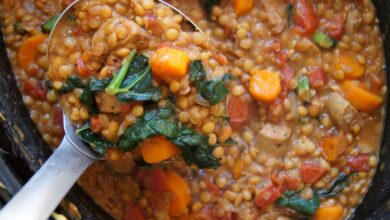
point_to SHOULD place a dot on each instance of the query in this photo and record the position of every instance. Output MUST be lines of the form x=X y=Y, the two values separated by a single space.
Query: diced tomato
x=267 y=196
x=221 y=59
x=57 y=116
x=133 y=212
x=77 y=31
x=35 y=90
x=305 y=17
x=359 y=163
x=282 y=58
x=335 y=26
x=211 y=187
x=96 y=126
x=156 y=180
x=376 y=81
x=153 y=24
x=82 y=68
x=33 y=69
x=238 y=110
x=285 y=182
x=311 y=173
x=317 y=77
x=287 y=76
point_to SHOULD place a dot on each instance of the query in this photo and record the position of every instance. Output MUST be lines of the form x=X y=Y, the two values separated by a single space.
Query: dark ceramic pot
x=27 y=151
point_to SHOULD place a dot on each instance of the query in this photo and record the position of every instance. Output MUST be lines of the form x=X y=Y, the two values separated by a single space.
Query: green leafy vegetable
x=98 y=85
x=197 y=72
x=215 y=90
x=208 y=6
x=88 y=99
x=152 y=123
x=70 y=84
x=323 y=40
x=96 y=142
x=290 y=14
x=304 y=88
x=161 y=121
x=210 y=92
x=49 y=25
x=134 y=82
x=114 y=87
x=291 y=199
x=337 y=186
x=195 y=149
x=20 y=28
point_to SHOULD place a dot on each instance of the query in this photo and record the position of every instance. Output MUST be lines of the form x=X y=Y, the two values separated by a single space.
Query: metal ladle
x=45 y=190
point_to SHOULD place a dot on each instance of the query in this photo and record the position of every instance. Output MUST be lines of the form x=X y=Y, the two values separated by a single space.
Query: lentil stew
x=312 y=138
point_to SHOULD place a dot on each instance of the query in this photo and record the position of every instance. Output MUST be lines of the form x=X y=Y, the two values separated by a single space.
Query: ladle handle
x=45 y=190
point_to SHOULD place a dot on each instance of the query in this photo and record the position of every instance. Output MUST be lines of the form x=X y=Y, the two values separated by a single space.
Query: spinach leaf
x=20 y=28
x=195 y=149
x=197 y=72
x=88 y=99
x=214 y=90
x=70 y=84
x=291 y=199
x=96 y=142
x=98 y=85
x=337 y=186
x=290 y=14
x=151 y=94
x=152 y=123
x=208 y=6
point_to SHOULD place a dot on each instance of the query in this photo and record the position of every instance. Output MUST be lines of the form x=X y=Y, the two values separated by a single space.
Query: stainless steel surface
x=45 y=190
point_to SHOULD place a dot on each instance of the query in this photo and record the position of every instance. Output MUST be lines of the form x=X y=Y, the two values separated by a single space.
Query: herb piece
x=151 y=94
x=290 y=14
x=304 y=88
x=230 y=142
x=323 y=40
x=154 y=122
x=337 y=186
x=96 y=142
x=197 y=72
x=291 y=199
x=114 y=87
x=195 y=149
x=70 y=84
x=208 y=6
x=49 y=25
x=19 y=28
x=215 y=90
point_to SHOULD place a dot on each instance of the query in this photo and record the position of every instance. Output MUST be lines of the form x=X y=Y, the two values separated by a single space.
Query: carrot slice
x=265 y=85
x=28 y=50
x=333 y=212
x=242 y=7
x=237 y=169
x=350 y=66
x=157 y=149
x=334 y=146
x=361 y=98
x=181 y=193
x=168 y=63
x=156 y=181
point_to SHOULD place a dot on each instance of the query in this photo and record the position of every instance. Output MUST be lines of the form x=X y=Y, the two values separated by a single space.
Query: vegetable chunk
x=265 y=85
x=168 y=63
x=242 y=7
x=28 y=50
x=157 y=149
x=361 y=98
x=181 y=193
x=333 y=212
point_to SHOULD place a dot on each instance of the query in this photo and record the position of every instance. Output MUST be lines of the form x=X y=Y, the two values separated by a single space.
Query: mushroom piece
x=274 y=134
x=107 y=103
x=340 y=110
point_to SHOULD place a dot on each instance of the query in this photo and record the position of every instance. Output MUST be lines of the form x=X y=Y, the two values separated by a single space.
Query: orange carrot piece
x=359 y=97
x=334 y=146
x=28 y=50
x=157 y=149
x=237 y=169
x=265 y=85
x=181 y=193
x=242 y=7
x=333 y=212
x=168 y=63
x=350 y=66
